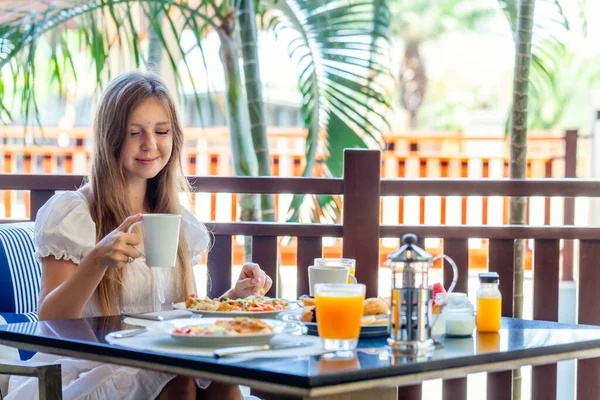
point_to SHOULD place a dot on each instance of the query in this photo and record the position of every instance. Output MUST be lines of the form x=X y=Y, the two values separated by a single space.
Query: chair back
x=19 y=273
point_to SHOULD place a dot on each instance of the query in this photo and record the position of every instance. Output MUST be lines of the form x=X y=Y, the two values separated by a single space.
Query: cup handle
x=129 y=231
x=352 y=278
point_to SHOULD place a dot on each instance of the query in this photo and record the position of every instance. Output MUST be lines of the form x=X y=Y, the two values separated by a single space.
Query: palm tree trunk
x=242 y=149
x=413 y=81
x=155 y=48
x=518 y=151
x=258 y=128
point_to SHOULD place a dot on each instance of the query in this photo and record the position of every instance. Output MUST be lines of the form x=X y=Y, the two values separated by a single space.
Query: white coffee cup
x=161 y=239
x=327 y=275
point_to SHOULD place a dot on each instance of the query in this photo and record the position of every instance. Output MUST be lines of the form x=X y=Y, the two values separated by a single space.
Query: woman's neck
x=137 y=196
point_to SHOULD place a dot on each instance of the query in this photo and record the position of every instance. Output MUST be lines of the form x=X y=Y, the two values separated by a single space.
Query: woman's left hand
x=252 y=281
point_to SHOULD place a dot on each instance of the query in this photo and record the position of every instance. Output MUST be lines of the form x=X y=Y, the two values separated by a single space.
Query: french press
x=410 y=314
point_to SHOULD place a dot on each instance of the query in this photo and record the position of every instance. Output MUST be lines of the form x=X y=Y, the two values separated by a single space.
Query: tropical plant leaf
x=422 y=20
x=340 y=48
x=549 y=53
x=27 y=24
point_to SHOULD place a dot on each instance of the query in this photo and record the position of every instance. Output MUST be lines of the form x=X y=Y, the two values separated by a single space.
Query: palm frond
x=552 y=29
x=340 y=48
x=27 y=25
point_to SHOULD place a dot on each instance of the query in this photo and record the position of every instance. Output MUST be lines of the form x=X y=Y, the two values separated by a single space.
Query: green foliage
x=558 y=99
x=553 y=64
x=340 y=48
x=422 y=20
x=22 y=34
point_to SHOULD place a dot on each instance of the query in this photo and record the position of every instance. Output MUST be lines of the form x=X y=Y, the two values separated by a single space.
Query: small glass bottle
x=459 y=316
x=489 y=303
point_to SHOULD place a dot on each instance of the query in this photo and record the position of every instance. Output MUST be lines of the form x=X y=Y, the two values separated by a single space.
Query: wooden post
x=27 y=168
x=38 y=199
x=309 y=248
x=362 y=169
x=8 y=194
x=546 y=272
x=219 y=266
x=588 y=370
x=569 y=214
x=547 y=203
x=500 y=260
x=458 y=250
x=265 y=252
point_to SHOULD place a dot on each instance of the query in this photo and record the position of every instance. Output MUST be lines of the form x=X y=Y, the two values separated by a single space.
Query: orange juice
x=338 y=317
x=488 y=314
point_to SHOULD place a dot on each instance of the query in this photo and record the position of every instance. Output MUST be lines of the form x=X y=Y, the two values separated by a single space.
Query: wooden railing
x=362 y=189
x=414 y=155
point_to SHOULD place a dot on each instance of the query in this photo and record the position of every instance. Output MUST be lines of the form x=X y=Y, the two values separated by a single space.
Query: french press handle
x=452 y=285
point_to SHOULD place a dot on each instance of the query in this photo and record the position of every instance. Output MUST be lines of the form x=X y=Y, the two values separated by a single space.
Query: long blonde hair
x=109 y=202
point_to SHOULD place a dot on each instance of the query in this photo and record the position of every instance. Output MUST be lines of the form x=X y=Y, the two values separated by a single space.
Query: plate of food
x=374 y=321
x=223 y=332
x=262 y=307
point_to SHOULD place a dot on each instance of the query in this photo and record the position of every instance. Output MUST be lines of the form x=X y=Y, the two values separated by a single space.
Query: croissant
x=374 y=306
x=307 y=300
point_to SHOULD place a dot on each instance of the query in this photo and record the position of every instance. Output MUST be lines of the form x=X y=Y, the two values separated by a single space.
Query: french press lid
x=409 y=251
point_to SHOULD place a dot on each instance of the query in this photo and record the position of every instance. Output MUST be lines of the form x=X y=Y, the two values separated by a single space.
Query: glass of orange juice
x=339 y=309
x=349 y=263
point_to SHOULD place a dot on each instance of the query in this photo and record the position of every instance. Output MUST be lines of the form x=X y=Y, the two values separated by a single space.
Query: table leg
x=268 y=396
x=455 y=389
x=499 y=385
x=50 y=383
x=377 y=393
x=49 y=376
x=411 y=392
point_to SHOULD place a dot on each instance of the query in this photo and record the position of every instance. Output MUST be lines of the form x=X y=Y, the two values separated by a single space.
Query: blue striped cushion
x=19 y=276
x=19 y=271
x=12 y=318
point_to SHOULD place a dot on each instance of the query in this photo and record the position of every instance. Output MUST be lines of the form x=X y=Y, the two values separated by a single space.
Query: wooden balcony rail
x=400 y=160
x=364 y=191
x=194 y=133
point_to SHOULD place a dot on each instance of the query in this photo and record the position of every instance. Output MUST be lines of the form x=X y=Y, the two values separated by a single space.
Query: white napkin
x=167 y=315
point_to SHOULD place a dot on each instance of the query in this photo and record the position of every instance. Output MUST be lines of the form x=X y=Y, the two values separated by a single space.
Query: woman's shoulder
x=63 y=203
x=64 y=227
x=65 y=208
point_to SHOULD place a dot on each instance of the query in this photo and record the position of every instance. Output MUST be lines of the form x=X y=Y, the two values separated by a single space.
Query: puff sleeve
x=64 y=228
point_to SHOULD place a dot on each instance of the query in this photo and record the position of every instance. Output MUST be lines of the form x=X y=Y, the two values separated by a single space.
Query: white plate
x=366 y=331
x=167 y=327
x=225 y=314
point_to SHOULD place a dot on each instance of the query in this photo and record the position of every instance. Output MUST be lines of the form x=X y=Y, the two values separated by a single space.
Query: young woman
x=89 y=264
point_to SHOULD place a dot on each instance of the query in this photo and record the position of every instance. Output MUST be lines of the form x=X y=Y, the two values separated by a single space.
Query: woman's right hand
x=116 y=248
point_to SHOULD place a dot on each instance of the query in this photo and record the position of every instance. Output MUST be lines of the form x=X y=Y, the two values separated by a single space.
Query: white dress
x=64 y=229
